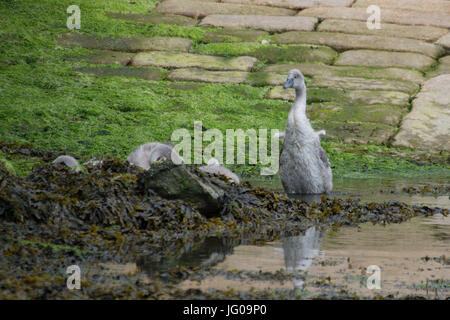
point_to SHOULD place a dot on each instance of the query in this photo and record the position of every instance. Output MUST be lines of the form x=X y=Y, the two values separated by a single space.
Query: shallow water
x=413 y=257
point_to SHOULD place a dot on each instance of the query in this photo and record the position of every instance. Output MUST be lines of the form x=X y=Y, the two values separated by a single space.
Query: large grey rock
x=352 y=41
x=268 y=23
x=373 y=58
x=441 y=6
x=427 y=125
x=178 y=182
x=427 y=33
x=154 y=18
x=202 y=75
x=397 y=16
x=128 y=44
x=344 y=96
x=199 y=9
x=322 y=70
x=189 y=60
x=295 y=4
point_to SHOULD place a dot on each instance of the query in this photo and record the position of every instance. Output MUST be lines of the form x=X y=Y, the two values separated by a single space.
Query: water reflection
x=299 y=252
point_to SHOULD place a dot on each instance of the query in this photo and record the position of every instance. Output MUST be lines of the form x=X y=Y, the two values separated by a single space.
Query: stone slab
x=189 y=60
x=299 y=53
x=364 y=84
x=147 y=73
x=384 y=114
x=427 y=33
x=154 y=18
x=234 y=35
x=128 y=44
x=397 y=16
x=442 y=68
x=445 y=41
x=351 y=41
x=107 y=57
x=267 y=23
x=322 y=70
x=342 y=96
x=202 y=75
x=356 y=132
x=442 y=6
x=372 y=58
x=295 y=4
x=427 y=125
x=198 y=9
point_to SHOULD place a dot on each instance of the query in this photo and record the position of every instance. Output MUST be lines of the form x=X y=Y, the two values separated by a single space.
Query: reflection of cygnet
x=214 y=167
x=144 y=155
x=69 y=161
x=300 y=251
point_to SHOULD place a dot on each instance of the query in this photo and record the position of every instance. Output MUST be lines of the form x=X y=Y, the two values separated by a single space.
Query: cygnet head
x=213 y=162
x=69 y=161
x=295 y=80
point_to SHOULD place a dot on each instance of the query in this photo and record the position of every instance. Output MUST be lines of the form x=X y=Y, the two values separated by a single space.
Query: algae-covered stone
x=427 y=125
x=397 y=16
x=322 y=70
x=442 y=68
x=384 y=114
x=129 y=44
x=364 y=84
x=154 y=18
x=189 y=60
x=202 y=75
x=342 y=96
x=147 y=73
x=268 y=23
x=373 y=58
x=265 y=78
x=294 y=53
x=234 y=35
x=427 y=33
x=177 y=182
x=200 y=9
x=353 y=41
x=107 y=57
x=296 y=4
x=356 y=132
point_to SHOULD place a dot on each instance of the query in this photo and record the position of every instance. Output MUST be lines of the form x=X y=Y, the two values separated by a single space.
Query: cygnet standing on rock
x=304 y=166
x=144 y=155
x=214 y=167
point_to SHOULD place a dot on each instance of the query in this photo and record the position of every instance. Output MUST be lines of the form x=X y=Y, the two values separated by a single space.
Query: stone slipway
x=427 y=125
x=397 y=16
x=373 y=58
x=352 y=41
x=343 y=96
x=189 y=60
x=427 y=33
x=128 y=44
x=268 y=23
x=295 y=4
x=322 y=70
x=200 y=9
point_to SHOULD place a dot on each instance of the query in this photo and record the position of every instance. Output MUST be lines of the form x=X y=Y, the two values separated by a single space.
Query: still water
x=413 y=257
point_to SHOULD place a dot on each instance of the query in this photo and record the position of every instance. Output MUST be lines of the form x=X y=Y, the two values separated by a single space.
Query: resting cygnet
x=144 y=155
x=69 y=161
x=214 y=167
